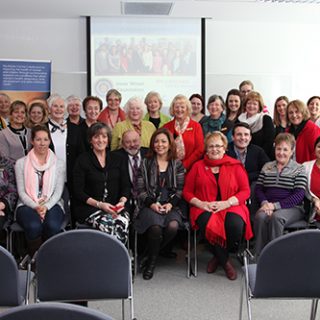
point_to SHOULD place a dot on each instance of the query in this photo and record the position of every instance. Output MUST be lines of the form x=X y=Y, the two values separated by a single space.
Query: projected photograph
x=141 y=55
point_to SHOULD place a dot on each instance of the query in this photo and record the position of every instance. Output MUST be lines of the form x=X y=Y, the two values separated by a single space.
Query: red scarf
x=215 y=231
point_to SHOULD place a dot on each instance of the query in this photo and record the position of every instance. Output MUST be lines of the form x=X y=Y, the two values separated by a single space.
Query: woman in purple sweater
x=280 y=190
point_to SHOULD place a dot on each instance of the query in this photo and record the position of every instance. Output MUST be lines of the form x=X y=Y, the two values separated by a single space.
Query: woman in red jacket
x=304 y=130
x=186 y=132
x=217 y=188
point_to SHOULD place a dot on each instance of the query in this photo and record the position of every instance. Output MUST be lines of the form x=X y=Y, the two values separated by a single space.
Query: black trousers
x=234 y=227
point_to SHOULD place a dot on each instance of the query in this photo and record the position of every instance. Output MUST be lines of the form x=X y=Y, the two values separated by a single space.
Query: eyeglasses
x=215 y=146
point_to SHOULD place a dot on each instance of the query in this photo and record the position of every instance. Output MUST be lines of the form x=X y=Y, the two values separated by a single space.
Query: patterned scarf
x=180 y=129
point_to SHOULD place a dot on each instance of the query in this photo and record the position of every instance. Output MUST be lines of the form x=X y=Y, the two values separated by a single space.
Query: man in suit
x=252 y=157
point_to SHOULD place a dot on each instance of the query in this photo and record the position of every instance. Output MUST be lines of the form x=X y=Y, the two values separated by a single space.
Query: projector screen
x=138 y=55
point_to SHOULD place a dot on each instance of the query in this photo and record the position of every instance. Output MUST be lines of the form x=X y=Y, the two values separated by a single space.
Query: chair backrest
x=52 y=311
x=10 y=293
x=83 y=265
x=289 y=266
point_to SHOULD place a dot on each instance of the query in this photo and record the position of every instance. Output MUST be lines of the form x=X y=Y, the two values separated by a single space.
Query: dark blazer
x=90 y=179
x=255 y=160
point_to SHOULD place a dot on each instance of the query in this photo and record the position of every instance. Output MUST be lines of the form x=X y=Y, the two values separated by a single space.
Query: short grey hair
x=139 y=102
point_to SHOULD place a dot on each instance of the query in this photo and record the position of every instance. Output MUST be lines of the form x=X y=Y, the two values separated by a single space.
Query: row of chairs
x=78 y=265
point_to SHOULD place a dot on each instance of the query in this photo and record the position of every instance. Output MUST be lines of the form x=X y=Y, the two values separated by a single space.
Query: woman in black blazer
x=102 y=186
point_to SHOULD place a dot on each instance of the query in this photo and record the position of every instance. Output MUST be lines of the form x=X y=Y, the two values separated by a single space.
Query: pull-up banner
x=25 y=80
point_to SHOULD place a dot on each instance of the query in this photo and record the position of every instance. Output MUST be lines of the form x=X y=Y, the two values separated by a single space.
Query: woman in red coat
x=217 y=188
x=304 y=130
x=186 y=132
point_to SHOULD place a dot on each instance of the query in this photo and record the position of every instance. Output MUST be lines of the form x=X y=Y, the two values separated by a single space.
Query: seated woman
x=313 y=173
x=260 y=123
x=187 y=133
x=217 y=188
x=280 y=190
x=160 y=186
x=154 y=103
x=8 y=190
x=134 y=109
x=15 y=139
x=102 y=186
x=217 y=121
x=40 y=180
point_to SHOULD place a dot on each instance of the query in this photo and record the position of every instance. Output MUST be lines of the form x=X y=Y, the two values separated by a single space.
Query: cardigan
x=8 y=188
x=56 y=198
x=201 y=183
x=90 y=181
x=285 y=189
x=148 y=182
x=193 y=141
x=11 y=146
x=147 y=129
x=163 y=119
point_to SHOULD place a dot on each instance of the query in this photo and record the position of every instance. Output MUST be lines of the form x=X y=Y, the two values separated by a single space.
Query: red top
x=305 y=142
x=201 y=183
x=104 y=117
x=193 y=141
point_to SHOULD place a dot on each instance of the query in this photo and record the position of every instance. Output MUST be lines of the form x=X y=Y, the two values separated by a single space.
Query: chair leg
x=314 y=307
x=188 y=255
x=135 y=262
x=195 y=253
x=122 y=302
x=241 y=297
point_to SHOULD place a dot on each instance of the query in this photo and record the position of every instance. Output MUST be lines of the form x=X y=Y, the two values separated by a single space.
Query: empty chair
x=52 y=311
x=14 y=284
x=84 y=265
x=288 y=268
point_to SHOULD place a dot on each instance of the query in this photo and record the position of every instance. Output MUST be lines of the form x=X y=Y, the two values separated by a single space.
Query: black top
x=90 y=178
x=255 y=160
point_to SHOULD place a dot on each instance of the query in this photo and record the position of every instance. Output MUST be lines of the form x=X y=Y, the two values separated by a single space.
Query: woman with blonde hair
x=37 y=113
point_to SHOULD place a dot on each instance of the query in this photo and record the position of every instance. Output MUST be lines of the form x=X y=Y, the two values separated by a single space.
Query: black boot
x=148 y=271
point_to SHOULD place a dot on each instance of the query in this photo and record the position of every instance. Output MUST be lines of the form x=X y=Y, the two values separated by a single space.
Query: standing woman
x=198 y=108
x=92 y=107
x=217 y=121
x=134 y=109
x=154 y=103
x=160 y=186
x=15 y=139
x=40 y=181
x=217 y=188
x=233 y=104
x=303 y=129
x=37 y=113
x=186 y=132
x=102 y=186
x=313 y=105
x=4 y=110
x=74 y=104
x=280 y=114
x=313 y=173
x=261 y=124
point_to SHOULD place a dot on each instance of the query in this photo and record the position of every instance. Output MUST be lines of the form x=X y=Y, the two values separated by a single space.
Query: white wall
x=280 y=58
x=63 y=41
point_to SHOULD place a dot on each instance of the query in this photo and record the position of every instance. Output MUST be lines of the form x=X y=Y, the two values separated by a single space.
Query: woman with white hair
x=186 y=132
x=74 y=104
x=134 y=109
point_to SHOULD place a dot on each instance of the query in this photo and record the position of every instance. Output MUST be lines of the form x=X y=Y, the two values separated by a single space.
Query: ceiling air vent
x=147 y=8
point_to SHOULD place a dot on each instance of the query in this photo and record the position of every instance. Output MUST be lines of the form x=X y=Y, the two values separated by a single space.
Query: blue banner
x=16 y=75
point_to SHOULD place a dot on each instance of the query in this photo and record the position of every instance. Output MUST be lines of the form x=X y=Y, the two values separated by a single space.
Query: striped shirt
x=285 y=189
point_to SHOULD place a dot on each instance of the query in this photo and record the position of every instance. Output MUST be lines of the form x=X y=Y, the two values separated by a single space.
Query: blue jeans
x=32 y=225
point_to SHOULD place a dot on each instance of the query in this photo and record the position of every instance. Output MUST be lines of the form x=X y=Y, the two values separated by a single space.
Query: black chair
x=82 y=265
x=52 y=311
x=14 y=283
x=288 y=268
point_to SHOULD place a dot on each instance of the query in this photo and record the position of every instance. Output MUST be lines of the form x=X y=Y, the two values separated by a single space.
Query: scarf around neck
x=211 y=124
x=31 y=168
x=180 y=129
x=255 y=122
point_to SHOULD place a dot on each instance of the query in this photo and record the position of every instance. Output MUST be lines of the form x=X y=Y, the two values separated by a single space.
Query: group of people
x=136 y=169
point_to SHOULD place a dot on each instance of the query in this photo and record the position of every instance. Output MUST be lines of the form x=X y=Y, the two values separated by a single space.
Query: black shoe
x=168 y=254
x=149 y=270
x=143 y=262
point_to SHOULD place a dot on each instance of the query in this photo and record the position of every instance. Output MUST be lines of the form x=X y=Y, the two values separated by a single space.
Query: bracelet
x=98 y=204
